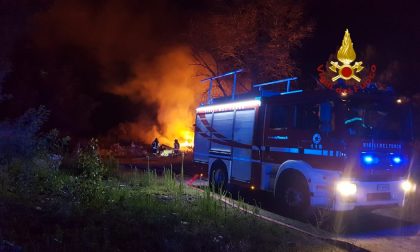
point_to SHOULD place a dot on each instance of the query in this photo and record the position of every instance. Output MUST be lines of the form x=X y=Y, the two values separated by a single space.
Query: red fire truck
x=308 y=148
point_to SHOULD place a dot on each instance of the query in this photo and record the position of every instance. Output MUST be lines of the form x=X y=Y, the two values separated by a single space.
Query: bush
x=20 y=139
x=89 y=161
x=29 y=160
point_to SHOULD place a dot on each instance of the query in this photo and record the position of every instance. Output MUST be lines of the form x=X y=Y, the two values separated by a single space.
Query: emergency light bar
x=229 y=106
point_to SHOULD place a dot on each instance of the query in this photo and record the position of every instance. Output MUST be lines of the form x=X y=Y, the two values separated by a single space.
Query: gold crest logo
x=346 y=55
x=346 y=70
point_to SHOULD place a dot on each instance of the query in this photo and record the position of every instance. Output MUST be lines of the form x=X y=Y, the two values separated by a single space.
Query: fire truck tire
x=218 y=177
x=292 y=195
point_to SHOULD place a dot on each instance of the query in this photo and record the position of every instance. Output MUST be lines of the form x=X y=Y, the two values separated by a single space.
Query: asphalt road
x=376 y=232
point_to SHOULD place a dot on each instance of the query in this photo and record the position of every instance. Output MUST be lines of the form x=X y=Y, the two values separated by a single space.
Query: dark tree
x=258 y=35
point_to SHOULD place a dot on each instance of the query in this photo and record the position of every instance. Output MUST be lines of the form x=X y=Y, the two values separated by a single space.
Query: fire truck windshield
x=377 y=119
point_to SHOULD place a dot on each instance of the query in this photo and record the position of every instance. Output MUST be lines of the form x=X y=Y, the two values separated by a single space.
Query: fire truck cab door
x=243 y=130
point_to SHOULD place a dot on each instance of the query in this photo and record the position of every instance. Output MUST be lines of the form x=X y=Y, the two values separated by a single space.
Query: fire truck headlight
x=346 y=188
x=408 y=186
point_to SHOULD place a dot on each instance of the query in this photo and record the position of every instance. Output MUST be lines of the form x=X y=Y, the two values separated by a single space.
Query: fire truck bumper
x=370 y=195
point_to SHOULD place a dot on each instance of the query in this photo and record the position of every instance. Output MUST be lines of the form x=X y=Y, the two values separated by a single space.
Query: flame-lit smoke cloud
x=169 y=84
x=139 y=49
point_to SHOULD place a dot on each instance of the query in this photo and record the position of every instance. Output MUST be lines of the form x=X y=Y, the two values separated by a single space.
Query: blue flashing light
x=396 y=160
x=368 y=159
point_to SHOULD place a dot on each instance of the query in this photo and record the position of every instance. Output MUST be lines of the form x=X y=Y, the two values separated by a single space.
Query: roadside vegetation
x=54 y=199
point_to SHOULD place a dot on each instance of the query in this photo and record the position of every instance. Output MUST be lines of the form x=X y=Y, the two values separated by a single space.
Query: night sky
x=384 y=33
x=67 y=54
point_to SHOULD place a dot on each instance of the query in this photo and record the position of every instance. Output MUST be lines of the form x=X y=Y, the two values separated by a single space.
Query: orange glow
x=188 y=137
x=344 y=94
x=173 y=90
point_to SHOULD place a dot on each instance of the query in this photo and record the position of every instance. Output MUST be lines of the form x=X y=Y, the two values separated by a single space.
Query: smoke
x=138 y=52
x=111 y=30
x=168 y=83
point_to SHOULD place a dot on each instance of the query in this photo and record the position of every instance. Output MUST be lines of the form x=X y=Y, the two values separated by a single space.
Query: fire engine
x=309 y=149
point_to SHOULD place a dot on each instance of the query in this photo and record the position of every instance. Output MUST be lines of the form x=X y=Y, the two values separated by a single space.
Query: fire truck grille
x=378 y=196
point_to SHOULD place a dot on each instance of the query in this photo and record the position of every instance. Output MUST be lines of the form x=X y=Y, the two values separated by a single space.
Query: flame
x=170 y=86
x=124 y=41
x=187 y=140
x=346 y=53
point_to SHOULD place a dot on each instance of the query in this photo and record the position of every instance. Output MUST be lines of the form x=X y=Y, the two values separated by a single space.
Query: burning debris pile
x=171 y=88
x=136 y=150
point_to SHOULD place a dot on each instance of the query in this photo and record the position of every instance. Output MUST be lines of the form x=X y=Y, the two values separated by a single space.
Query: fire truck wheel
x=292 y=196
x=218 y=178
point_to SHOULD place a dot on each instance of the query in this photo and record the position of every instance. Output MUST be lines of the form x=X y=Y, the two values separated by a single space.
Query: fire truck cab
x=309 y=148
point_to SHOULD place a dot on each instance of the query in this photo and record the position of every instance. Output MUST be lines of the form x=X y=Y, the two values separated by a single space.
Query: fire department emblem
x=346 y=55
x=346 y=75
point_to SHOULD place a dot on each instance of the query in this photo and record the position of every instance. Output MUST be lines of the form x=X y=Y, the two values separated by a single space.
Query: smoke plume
x=170 y=86
x=138 y=51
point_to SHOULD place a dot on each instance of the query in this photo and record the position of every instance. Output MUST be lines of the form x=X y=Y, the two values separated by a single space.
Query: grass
x=139 y=211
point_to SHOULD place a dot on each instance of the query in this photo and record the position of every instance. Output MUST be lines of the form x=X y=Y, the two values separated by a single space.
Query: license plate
x=383 y=187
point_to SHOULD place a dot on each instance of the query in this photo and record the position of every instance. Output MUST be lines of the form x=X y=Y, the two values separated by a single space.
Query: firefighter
x=176 y=147
x=155 y=146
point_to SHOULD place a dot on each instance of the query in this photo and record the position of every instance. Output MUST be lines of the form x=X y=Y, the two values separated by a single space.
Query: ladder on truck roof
x=234 y=73
x=265 y=93
x=261 y=86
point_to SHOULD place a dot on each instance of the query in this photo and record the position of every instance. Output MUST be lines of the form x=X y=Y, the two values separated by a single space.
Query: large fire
x=171 y=86
x=188 y=139
x=132 y=37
